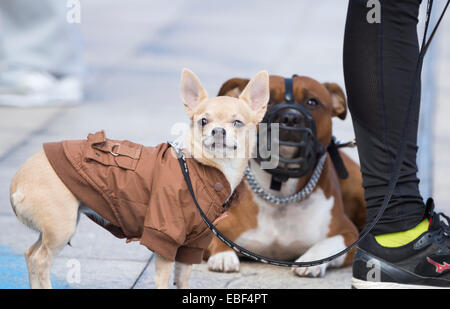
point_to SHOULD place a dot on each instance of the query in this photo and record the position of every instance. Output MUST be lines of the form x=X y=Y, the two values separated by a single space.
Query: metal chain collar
x=299 y=196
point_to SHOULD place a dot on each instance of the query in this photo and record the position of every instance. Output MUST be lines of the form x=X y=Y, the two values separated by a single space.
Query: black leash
x=391 y=186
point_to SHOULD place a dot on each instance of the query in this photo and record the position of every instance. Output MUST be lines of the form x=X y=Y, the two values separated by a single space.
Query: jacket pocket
x=124 y=154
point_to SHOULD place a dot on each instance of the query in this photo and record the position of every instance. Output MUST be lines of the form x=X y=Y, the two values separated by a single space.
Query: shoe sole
x=361 y=284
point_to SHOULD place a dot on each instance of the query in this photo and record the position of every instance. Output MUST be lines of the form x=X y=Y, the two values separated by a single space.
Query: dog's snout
x=218 y=132
x=289 y=118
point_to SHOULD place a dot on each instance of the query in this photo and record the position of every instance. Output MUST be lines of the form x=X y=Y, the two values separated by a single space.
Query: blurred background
x=69 y=68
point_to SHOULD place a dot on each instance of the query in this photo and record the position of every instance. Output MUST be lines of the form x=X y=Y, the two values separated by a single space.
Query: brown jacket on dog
x=141 y=192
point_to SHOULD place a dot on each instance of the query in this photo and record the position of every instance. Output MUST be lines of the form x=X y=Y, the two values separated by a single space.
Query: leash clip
x=178 y=150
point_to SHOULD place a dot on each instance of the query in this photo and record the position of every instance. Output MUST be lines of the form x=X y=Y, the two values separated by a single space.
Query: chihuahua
x=220 y=137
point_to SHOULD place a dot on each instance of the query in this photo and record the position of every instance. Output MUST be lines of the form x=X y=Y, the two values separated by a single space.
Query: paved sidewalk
x=135 y=52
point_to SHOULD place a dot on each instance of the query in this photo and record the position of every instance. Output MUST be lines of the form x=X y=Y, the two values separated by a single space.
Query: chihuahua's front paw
x=224 y=262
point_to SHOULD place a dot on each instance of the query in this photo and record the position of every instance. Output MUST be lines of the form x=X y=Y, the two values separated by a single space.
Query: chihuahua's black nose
x=289 y=117
x=218 y=132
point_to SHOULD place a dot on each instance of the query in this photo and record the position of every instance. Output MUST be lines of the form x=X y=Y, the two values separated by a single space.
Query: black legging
x=379 y=67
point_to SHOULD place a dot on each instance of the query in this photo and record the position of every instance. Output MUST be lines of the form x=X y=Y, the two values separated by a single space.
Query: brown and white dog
x=319 y=226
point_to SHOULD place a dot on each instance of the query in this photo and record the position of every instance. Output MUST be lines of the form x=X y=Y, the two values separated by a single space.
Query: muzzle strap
x=337 y=159
x=288 y=90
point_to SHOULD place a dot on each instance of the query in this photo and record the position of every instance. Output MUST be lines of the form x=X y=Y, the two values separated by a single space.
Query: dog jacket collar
x=141 y=194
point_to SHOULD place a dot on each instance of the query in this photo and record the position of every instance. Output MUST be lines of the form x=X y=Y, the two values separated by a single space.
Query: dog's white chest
x=287 y=231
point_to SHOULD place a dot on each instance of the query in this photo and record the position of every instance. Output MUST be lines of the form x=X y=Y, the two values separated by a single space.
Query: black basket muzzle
x=306 y=147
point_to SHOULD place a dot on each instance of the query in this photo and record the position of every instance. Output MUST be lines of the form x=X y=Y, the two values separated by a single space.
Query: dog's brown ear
x=338 y=101
x=233 y=87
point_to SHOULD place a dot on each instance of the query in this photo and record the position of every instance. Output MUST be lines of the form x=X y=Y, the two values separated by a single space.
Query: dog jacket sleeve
x=139 y=192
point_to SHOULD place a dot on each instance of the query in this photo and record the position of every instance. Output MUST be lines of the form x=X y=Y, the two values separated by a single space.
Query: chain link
x=297 y=197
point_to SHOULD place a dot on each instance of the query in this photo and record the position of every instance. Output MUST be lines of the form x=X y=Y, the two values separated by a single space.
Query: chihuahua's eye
x=312 y=102
x=238 y=124
x=204 y=122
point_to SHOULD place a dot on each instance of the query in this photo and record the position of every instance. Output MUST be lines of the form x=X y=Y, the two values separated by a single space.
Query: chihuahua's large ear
x=338 y=101
x=192 y=91
x=257 y=94
x=233 y=87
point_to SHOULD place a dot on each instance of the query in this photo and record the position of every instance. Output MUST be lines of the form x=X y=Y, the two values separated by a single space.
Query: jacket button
x=218 y=187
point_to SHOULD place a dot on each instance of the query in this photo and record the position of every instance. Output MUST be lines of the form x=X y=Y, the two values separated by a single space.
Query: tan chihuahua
x=219 y=130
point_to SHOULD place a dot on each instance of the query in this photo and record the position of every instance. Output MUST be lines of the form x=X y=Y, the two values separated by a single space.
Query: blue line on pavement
x=14 y=273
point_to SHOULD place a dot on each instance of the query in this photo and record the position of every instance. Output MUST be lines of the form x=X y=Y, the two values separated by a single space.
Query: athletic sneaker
x=30 y=88
x=422 y=263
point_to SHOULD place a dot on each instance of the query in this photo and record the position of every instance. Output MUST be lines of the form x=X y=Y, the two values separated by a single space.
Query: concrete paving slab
x=254 y=276
x=97 y=273
x=16 y=124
